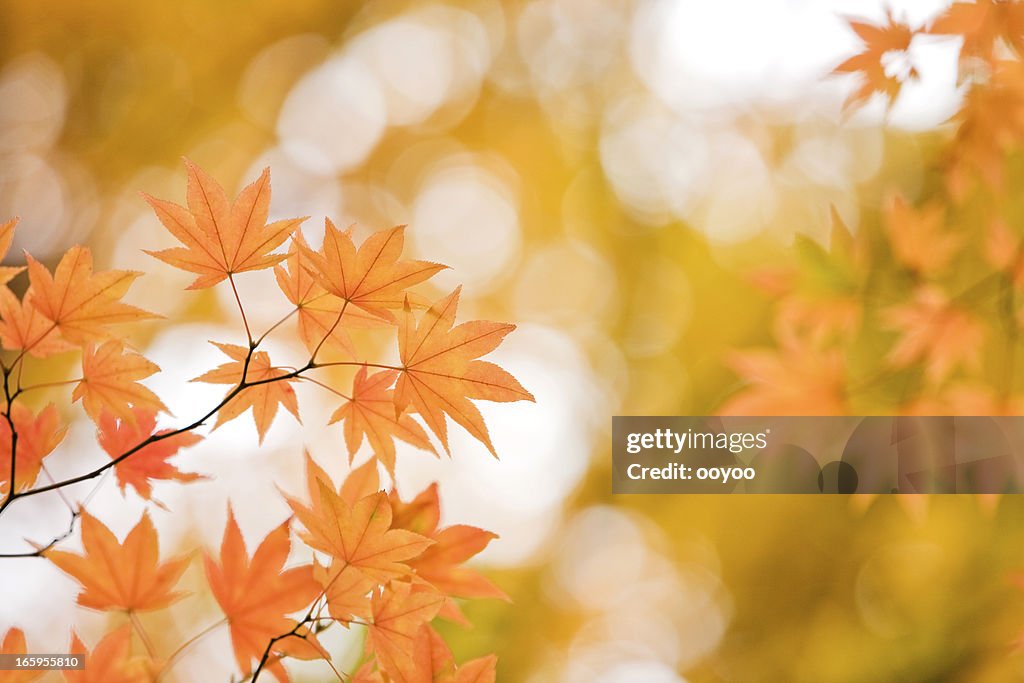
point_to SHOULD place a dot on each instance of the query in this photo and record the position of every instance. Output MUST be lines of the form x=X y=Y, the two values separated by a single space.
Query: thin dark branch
x=12 y=485
x=295 y=629
x=38 y=552
x=13 y=494
x=242 y=386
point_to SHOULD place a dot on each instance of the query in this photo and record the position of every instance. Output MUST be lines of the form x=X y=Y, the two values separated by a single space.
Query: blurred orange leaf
x=870 y=64
x=983 y=23
x=917 y=238
x=13 y=643
x=935 y=332
x=150 y=462
x=399 y=614
x=116 y=575
x=791 y=381
x=7 y=273
x=256 y=595
x=38 y=436
x=110 y=661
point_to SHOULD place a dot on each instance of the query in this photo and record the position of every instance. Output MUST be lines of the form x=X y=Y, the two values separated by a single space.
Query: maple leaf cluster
x=381 y=565
x=917 y=311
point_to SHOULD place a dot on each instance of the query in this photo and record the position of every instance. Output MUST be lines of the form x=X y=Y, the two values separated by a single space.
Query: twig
x=171 y=660
x=298 y=625
x=39 y=552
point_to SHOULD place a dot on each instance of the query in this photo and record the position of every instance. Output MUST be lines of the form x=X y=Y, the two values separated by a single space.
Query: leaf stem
x=143 y=636
x=341 y=363
x=172 y=659
x=326 y=386
x=337 y=321
x=241 y=309
x=46 y=385
x=276 y=325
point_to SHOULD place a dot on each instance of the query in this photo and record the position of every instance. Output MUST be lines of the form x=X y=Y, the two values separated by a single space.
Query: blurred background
x=605 y=174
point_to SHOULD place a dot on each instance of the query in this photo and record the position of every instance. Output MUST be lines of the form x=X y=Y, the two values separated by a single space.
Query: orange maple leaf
x=359 y=483
x=7 y=273
x=23 y=327
x=965 y=398
x=437 y=658
x=79 y=302
x=14 y=644
x=257 y=594
x=400 y=613
x=317 y=309
x=263 y=396
x=917 y=238
x=1003 y=251
x=793 y=380
x=441 y=564
x=367 y=673
x=983 y=24
x=371 y=277
x=38 y=436
x=880 y=42
x=479 y=670
x=434 y=663
x=116 y=575
x=990 y=124
x=936 y=332
x=109 y=382
x=221 y=237
x=440 y=375
x=150 y=462
x=370 y=412
x=347 y=590
x=111 y=661
x=359 y=535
